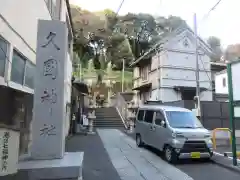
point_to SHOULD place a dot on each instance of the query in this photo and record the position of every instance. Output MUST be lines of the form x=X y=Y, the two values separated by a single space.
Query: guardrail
x=214 y=136
x=122 y=108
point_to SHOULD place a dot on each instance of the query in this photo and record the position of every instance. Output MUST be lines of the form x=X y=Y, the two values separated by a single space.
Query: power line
x=207 y=74
x=211 y=9
x=204 y=18
x=119 y=8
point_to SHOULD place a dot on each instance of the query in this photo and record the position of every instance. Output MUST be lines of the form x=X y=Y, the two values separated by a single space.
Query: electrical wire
x=211 y=9
x=210 y=80
x=119 y=8
x=203 y=19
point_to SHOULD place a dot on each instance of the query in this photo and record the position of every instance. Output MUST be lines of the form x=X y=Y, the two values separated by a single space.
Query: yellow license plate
x=195 y=155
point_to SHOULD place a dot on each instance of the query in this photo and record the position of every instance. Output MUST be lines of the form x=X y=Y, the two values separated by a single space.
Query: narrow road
x=200 y=170
x=207 y=170
x=96 y=162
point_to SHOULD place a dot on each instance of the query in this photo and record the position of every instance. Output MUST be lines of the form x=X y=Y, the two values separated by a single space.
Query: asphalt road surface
x=201 y=170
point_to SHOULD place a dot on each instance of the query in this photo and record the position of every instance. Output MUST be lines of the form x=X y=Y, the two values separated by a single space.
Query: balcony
x=142 y=84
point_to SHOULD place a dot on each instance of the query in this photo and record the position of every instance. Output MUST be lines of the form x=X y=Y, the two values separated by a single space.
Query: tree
x=215 y=44
x=127 y=37
x=232 y=52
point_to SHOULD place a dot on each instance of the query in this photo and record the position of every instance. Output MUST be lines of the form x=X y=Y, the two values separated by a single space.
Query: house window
x=224 y=82
x=3 y=55
x=29 y=74
x=18 y=67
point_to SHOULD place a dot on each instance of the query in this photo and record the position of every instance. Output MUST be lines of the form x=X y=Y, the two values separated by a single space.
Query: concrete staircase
x=107 y=117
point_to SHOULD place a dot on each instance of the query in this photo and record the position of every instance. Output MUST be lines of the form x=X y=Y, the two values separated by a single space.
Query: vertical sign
x=9 y=146
x=49 y=107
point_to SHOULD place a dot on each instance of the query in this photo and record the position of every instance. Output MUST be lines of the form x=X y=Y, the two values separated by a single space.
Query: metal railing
x=122 y=108
x=214 y=136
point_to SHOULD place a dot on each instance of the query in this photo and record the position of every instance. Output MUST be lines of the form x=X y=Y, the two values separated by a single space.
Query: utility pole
x=80 y=76
x=197 y=69
x=231 y=112
x=79 y=71
x=159 y=74
x=123 y=70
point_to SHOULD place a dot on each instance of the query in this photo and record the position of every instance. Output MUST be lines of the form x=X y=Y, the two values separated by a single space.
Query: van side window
x=159 y=118
x=149 y=116
x=140 y=115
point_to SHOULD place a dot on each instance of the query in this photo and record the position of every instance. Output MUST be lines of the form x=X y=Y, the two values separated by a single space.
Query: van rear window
x=140 y=115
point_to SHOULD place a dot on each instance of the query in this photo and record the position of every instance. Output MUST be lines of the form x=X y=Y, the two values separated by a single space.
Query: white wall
x=154 y=95
x=219 y=88
x=177 y=68
x=20 y=27
x=19 y=23
x=178 y=65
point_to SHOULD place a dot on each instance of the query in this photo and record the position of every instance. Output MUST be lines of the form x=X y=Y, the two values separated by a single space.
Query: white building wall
x=177 y=68
x=178 y=65
x=219 y=83
x=19 y=23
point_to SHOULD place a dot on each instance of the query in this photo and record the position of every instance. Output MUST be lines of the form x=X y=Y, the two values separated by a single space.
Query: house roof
x=169 y=35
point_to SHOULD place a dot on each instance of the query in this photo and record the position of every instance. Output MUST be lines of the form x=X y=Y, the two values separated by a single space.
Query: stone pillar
x=91 y=117
x=48 y=140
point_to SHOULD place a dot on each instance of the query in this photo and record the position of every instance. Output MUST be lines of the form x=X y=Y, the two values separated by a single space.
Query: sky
x=223 y=22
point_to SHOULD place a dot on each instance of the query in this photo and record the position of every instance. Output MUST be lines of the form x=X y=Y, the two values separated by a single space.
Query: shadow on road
x=181 y=161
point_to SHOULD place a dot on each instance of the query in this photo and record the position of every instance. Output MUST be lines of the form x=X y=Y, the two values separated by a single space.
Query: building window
x=52 y=7
x=3 y=55
x=29 y=74
x=18 y=68
x=224 y=82
x=144 y=73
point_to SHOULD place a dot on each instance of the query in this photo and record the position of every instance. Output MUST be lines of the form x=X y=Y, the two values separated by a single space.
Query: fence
x=213 y=114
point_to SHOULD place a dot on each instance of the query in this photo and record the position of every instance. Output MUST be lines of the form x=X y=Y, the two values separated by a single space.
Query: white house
x=169 y=75
x=221 y=82
x=18 y=40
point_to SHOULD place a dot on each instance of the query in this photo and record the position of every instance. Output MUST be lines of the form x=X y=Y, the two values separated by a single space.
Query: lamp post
x=123 y=71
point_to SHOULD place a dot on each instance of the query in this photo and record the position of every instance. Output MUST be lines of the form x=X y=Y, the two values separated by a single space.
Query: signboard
x=9 y=146
x=236 y=80
x=49 y=103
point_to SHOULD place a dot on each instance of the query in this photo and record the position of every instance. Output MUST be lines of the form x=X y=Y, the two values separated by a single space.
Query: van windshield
x=180 y=119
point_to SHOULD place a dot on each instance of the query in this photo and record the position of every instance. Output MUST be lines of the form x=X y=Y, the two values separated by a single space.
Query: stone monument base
x=68 y=168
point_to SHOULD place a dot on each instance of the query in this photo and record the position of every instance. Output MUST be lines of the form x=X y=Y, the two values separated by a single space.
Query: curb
x=225 y=163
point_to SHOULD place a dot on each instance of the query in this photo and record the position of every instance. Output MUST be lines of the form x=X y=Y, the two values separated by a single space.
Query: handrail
x=214 y=136
x=122 y=108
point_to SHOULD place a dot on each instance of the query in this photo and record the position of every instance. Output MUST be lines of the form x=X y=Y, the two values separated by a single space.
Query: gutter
x=70 y=15
x=145 y=54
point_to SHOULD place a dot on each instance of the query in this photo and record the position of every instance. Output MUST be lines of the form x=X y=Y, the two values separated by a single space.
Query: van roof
x=164 y=108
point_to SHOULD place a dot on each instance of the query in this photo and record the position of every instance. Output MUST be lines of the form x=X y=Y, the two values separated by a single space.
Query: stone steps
x=107 y=117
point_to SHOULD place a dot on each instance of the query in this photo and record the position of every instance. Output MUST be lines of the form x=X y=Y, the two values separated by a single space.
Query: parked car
x=175 y=131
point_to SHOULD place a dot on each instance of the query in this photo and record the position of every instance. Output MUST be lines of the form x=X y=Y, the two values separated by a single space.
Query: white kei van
x=175 y=131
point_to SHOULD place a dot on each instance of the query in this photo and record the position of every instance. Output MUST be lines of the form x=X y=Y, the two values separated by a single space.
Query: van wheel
x=139 y=141
x=170 y=155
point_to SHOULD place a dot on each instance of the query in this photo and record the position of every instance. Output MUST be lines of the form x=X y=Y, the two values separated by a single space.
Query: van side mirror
x=163 y=123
